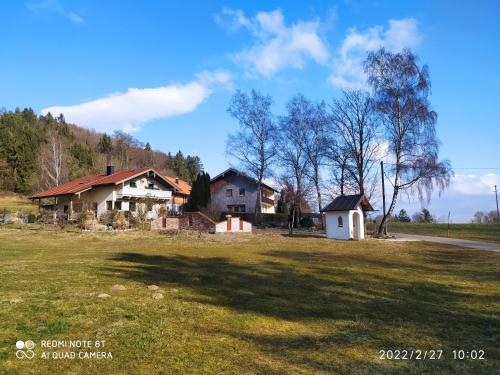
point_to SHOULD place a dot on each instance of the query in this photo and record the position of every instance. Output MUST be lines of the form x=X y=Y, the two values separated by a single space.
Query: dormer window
x=340 y=221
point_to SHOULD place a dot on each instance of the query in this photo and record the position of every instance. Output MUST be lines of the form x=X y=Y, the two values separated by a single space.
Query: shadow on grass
x=320 y=288
x=366 y=300
x=304 y=235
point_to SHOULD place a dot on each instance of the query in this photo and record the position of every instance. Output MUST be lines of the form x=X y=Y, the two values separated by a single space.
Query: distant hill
x=38 y=152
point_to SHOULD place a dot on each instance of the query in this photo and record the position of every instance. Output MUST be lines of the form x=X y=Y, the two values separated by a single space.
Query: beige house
x=234 y=191
x=139 y=189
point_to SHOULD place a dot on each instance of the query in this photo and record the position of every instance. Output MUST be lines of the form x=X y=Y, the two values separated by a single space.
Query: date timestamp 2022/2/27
x=431 y=354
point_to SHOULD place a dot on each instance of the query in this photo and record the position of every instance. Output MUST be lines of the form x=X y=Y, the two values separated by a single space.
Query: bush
x=306 y=222
x=120 y=221
x=31 y=218
x=108 y=217
x=86 y=219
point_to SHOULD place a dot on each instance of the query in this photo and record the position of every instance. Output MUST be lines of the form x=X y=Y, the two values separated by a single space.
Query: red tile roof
x=182 y=186
x=85 y=183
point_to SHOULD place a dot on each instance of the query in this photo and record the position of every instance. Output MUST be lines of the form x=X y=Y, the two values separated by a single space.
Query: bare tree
x=53 y=158
x=293 y=158
x=401 y=90
x=291 y=201
x=357 y=134
x=315 y=142
x=254 y=144
x=479 y=217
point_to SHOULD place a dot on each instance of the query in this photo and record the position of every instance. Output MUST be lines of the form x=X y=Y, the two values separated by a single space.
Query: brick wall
x=165 y=223
x=188 y=221
x=196 y=221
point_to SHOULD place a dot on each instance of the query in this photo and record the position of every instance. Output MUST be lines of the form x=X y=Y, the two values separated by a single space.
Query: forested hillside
x=38 y=152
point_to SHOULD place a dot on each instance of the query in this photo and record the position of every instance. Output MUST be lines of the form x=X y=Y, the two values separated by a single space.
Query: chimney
x=110 y=169
x=177 y=179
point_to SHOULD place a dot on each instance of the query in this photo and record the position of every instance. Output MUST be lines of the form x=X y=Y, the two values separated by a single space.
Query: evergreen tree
x=403 y=216
x=20 y=141
x=426 y=216
x=199 y=199
x=105 y=145
x=180 y=167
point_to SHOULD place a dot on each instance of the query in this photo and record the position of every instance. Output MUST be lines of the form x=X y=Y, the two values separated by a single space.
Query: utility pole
x=383 y=194
x=449 y=213
x=496 y=196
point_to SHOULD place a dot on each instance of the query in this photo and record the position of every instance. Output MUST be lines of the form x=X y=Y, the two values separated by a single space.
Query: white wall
x=346 y=232
x=332 y=228
x=221 y=227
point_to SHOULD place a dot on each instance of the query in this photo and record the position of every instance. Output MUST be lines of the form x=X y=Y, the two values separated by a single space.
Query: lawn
x=253 y=304
x=12 y=202
x=479 y=232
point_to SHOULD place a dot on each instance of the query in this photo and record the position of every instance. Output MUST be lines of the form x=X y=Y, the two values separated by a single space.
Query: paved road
x=480 y=245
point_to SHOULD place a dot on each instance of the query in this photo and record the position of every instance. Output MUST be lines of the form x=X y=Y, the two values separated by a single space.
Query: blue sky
x=182 y=61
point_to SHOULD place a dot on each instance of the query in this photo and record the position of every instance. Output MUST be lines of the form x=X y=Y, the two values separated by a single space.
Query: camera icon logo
x=25 y=349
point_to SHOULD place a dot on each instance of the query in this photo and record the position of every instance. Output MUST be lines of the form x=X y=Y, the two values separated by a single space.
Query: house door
x=356 y=226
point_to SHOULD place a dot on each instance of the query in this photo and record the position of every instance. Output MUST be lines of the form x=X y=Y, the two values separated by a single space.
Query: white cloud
x=232 y=19
x=348 y=65
x=276 y=45
x=53 y=6
x=473 y=184
x=129 y=110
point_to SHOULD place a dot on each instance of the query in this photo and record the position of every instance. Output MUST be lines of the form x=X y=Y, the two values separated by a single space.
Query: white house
x=344 y=217
x=144 y=189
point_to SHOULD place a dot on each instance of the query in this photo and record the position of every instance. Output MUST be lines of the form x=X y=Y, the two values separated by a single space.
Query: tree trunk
x=382 y=230
x=291 y=222
x=258 y=203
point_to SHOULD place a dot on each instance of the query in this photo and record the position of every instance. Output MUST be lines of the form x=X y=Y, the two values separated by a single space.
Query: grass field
x=479 y=232
x=12 y=202
x=255 y=304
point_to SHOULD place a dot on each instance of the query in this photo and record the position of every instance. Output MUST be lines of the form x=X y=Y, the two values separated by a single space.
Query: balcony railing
x=130 y=192
x=267 y=200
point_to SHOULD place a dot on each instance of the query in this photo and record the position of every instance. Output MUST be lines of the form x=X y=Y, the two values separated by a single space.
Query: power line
x=485 y=168
x=474 y=168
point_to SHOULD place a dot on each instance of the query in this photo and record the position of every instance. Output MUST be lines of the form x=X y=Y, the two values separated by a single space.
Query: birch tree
x=315 y=142
x=293 y=158
x=53 y=160
x=357 y=138
x=401 y=92
x=254 y=144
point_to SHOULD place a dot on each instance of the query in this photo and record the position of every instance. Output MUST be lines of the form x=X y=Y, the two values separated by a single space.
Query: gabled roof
x=235 y=172
x=85 y=183
x=182 y=186
x=348 y=202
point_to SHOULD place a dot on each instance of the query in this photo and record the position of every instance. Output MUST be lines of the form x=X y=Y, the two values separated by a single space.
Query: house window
x=236 y=208
x=109 y=205
x=131 y=206
x=341 y=221
x=242 y=192
x=118 y=205
x=229 y=192
x=133 y=184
